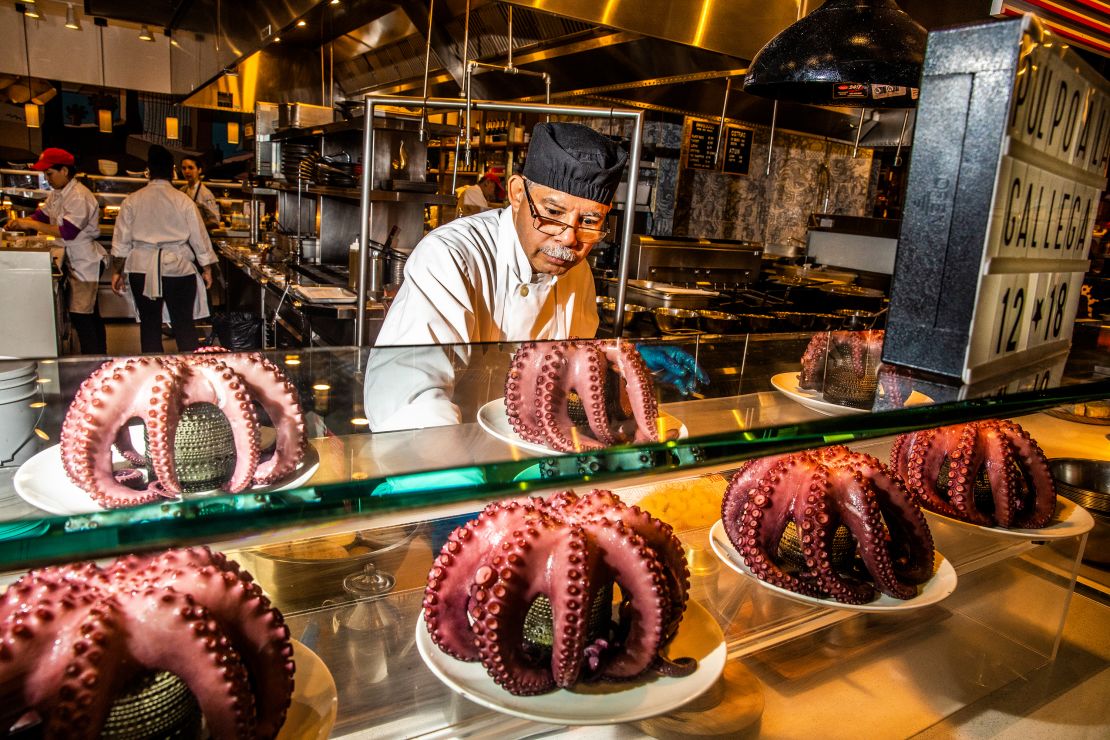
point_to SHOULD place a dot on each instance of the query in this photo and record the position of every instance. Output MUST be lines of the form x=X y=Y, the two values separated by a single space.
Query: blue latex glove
x=674 y=367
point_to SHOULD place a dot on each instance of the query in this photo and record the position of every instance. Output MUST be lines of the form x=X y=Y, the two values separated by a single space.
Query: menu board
x=738 y=150
x=994 y=242
x=701 y=145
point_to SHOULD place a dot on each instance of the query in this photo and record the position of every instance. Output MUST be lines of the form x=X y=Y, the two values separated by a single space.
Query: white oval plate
x=494 y=419
x=1069 y=520
x=936 y=589
x=43 y=483
x=699 y=636
x=787 y=384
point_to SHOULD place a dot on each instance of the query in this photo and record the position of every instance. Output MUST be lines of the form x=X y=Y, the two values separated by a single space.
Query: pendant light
x=71 y=18
x=104 y=120
x=145 y=34
x=865 y=53
x=172 y=128
x=31 y=111
x=232 y=132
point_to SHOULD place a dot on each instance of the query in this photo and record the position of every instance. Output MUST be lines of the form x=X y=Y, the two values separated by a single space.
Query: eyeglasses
x=553 y=227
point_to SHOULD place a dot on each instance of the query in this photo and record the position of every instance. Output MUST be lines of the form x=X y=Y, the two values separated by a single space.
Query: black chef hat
x=576 y=160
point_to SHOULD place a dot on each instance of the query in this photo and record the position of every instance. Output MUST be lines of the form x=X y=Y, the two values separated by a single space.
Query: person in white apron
x=199 y=192
x=158 y=242
x=71 y=213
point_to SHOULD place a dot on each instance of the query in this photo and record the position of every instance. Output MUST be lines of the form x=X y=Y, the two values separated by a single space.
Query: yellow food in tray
x=687 y=504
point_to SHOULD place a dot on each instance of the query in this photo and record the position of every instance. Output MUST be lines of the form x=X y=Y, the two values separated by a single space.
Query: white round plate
x=494 y=419
x=43 y=483
x=315 y=702
x=936 y=589
x=787 y=384
x=699 y=636
x=1069 y=520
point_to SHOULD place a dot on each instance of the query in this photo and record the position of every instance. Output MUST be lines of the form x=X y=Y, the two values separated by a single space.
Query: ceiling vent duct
x=865 y=53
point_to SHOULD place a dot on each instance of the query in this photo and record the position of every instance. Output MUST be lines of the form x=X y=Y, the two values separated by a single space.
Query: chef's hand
x=16 y=224
x=207 y=275
x=117 y=283
x=674 y=367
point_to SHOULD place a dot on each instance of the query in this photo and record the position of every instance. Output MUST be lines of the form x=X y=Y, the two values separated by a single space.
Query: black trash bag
x=238 y=330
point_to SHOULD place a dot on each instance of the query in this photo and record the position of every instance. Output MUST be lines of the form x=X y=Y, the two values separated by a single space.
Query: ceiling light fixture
x=233 y=138
x=104 y=120
x=31 y=111
x=861 y=53
x=302 y=23
x=145 y=34
x=172 y=128
x=28 y=9
x=71 y=18
x=277 y=39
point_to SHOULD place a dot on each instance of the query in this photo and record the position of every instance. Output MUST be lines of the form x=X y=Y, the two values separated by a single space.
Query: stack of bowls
x=676 y=320
x=18 y=389
x=1087 y=483
x=719 y=322
x=607 y=309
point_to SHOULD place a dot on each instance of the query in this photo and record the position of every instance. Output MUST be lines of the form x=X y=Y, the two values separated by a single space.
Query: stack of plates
x=338 y=175
x=298 y=162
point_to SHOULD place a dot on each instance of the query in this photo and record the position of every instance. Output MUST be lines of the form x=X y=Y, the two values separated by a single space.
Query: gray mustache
x=559 y=253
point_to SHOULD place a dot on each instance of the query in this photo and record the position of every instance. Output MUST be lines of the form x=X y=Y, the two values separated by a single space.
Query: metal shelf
x=377 y=196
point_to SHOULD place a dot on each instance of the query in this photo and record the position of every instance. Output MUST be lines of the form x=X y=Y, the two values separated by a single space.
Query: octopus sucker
x=569 y=550
x=990 y=473
x=581 y=395
x=829 y=523
x=76 y=635
x=157 y=390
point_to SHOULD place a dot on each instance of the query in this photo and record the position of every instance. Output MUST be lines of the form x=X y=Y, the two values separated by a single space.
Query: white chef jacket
x=159 y=232
x=470 y=199
x=204 y=199
x=467 y=281
x=76 y=203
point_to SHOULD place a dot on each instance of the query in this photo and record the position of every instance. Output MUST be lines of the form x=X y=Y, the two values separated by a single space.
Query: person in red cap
x=473 y=199
x=71 y=213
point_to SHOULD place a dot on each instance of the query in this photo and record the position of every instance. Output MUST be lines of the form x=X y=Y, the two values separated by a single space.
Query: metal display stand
x=368 y=177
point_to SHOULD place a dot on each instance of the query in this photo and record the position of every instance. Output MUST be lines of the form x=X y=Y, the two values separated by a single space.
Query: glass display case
x=344 y=541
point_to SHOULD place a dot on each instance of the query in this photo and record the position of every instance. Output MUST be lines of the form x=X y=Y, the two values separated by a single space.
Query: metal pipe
x=365 y=212
x=771 y=141
x=721 y=128
x=469 y=72
x=373 y=101
x=465 y=131
x=629 y=214
x=427 y=64
x=901 y=137
x=859 y=132
x=510 y=37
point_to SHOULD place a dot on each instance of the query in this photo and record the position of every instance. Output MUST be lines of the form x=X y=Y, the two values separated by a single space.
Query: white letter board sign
x=1010 y=152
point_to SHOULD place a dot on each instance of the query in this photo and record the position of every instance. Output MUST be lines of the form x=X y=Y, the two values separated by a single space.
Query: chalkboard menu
x=738 y=150
x=701 y=145
x=1010 y=155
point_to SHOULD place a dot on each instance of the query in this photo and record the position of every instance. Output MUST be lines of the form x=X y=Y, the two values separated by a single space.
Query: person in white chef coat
x=71 y=213
x=200 y=194
x=476 y=198
x=159 y=243
x=511 y=274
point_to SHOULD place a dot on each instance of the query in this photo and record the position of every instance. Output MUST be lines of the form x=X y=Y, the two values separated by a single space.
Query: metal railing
x=369 y=177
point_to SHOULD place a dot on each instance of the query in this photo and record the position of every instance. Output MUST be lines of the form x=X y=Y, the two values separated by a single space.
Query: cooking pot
x=672 y=320
x=719 y=322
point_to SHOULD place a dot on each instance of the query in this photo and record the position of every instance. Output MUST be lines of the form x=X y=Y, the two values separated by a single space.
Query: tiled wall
x=770 y=209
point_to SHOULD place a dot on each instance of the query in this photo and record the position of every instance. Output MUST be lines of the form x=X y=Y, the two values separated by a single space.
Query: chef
x=158 y=243
x=512 y=274
x=199 y=192
x=71 y=213
x=477 y=198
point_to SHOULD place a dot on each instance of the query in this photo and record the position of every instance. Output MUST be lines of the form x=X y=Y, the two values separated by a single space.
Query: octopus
x=855 y=347
x=828 y=523
x=72 y=636
x=990 y=473
x=157 y=390
x=581 y=395
x=565 y=551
